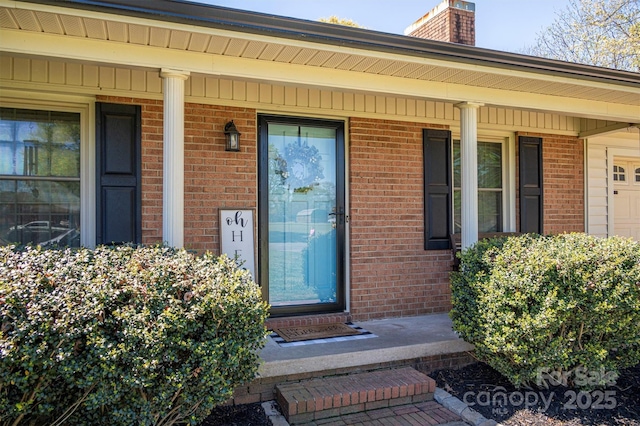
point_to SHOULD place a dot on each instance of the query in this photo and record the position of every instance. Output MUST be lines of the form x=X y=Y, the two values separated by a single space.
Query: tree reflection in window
x=39 y=177
x=490 y=215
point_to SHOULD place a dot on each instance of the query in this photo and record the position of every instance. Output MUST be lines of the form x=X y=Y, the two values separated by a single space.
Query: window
x=619 y=174
x=496 y=186
x=490 y=209
x=637 y=175
x=39 y=177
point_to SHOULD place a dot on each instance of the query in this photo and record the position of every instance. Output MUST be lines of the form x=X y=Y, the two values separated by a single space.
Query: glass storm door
x=301 y=214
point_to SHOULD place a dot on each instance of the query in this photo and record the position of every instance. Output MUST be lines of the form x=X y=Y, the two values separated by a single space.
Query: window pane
x=489 y=211
x=39 y=177
x=489 y=187
x=302 y=196
x=456 y=164
x=39 y=212
x=39 y=143
x=489 y=165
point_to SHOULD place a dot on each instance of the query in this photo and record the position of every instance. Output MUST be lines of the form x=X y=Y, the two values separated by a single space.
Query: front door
x=301 y=214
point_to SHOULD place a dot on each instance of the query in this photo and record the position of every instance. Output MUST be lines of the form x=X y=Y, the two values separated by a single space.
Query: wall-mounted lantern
x=232 y=137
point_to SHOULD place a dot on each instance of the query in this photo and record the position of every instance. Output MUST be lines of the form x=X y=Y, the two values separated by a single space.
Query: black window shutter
x=118 y=159
x=437 y=189
x=531 y=193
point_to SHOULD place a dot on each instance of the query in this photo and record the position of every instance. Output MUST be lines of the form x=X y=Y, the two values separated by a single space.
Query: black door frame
x=264 y=120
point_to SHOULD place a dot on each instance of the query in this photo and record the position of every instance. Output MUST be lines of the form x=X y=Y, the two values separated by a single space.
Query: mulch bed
x=495 y=398
x=481 y=385
x=237 y=415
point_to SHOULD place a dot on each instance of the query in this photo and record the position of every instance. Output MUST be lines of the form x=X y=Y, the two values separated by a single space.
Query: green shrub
x=534 y=304
x=121 y=336
x=466 y=286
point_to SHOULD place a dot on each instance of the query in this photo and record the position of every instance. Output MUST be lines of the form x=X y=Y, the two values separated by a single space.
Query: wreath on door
x=304 y=166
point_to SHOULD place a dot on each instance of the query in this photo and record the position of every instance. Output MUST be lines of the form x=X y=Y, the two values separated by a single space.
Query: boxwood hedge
x=541 y=304
x=123 y=335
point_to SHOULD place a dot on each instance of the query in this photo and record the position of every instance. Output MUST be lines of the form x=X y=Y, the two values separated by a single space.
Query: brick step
x=327 y=397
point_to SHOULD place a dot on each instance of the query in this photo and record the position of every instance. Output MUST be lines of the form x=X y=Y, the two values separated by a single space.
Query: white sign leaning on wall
x=236 y=237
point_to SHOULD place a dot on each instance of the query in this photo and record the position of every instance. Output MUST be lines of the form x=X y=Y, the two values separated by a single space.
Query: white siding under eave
x=91 y=79
x=588 y=124
x=79 y=77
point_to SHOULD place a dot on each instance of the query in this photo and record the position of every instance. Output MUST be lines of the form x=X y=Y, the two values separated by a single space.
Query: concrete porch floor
x=398 y=340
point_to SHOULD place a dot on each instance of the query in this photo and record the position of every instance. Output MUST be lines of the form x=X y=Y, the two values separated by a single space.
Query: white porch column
x=469 y=171
x=173 y=157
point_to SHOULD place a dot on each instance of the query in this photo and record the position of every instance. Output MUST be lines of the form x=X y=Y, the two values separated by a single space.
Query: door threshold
x=311 y=319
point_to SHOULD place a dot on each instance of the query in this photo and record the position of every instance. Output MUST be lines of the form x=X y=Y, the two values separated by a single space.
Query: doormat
x=362 y=334
x=318 y=331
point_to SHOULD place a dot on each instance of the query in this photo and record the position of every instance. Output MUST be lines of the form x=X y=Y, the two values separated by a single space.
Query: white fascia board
x=128 y=55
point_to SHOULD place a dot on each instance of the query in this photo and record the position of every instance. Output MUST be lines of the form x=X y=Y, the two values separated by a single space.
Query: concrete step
x=323 y=398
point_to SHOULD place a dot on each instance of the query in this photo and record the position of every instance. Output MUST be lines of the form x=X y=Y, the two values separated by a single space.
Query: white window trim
x=508 y=141
x=509 y=194
x=85 y=106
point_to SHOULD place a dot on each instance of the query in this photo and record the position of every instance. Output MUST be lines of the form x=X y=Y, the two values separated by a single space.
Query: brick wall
x=462 y=25
x=452 y=25
x=214 y=178
x=391 y=273
x=563 y=171
x=436 y=28
x=563 y=184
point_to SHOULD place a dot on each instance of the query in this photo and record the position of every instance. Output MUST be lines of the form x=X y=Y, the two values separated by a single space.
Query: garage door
x=626 y=185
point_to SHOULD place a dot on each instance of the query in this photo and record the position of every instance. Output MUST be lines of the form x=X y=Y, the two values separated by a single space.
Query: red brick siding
x=452 y=25
x=563 y=183
x=214 y=178
x=391 y=273
x=436 y=28
x=306 y=320
x=463 y=27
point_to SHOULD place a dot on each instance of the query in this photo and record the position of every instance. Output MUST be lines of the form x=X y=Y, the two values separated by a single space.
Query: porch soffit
x=179 y=37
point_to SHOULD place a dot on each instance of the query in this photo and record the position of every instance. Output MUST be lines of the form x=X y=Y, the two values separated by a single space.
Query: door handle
x=338 y=213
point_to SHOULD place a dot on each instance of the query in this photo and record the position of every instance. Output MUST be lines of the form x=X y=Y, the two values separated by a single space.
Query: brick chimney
x=452 y=20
